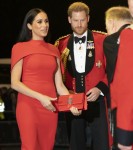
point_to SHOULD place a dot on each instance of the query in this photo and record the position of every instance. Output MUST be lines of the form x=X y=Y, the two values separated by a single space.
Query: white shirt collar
x=85 y=34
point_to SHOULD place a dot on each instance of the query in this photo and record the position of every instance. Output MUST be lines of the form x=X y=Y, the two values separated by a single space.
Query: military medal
x=99 y=64
x=90 y=54
x=90 y=45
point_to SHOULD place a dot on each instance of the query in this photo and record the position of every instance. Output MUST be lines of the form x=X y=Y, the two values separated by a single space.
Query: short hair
x=119 y=13
x=78 y=6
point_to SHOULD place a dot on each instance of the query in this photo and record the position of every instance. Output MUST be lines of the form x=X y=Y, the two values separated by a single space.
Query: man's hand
x=93 y=94
x=75 y=111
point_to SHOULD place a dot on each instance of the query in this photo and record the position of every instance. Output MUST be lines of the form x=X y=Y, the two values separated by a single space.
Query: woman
x=36 y=75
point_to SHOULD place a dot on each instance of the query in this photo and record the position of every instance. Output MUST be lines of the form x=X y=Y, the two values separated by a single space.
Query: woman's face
x=39 y=26
x=130 y=5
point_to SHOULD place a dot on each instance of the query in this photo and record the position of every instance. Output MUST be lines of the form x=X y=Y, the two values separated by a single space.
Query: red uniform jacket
x=122 y=85
x=95 y=75
x=95 y=62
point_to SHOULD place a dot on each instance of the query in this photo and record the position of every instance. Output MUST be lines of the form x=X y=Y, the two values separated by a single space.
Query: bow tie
x=80 y=40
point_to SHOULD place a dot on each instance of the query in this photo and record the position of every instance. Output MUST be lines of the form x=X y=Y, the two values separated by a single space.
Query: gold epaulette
x=62 y=37
x=101 y=32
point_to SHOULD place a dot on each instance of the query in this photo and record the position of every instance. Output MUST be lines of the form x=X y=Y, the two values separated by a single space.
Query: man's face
x=79 y=22
x=130 y=5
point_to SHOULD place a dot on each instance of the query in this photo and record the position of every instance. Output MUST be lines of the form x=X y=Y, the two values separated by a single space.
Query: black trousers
x=96 y=119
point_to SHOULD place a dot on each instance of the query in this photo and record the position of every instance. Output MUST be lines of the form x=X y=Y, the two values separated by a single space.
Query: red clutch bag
x=78 y=100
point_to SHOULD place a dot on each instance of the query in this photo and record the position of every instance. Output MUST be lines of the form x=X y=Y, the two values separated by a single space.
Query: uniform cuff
x=103 y=87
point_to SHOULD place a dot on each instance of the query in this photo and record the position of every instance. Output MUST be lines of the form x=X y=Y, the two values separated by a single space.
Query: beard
x=79 y=30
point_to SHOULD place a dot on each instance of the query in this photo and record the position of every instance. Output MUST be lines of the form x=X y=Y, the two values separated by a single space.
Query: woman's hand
x=46 y=102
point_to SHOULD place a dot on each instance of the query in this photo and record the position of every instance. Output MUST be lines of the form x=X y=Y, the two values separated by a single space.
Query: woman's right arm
x=17 y=85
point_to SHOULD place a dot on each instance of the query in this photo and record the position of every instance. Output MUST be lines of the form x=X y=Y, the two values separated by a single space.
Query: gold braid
x=64 y=57
x=56 y=43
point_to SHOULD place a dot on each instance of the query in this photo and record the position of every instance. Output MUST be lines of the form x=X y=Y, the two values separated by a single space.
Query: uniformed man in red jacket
x=118 y=47
x=84 y=71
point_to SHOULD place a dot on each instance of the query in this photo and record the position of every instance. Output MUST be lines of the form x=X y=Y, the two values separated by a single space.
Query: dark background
x=12 y=13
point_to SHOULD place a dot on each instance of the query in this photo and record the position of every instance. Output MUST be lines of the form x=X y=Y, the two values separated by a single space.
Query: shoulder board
x=62 y=37
x=99 y=32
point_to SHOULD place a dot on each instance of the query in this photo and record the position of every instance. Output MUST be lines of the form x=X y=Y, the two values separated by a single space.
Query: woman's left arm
x=61 y=89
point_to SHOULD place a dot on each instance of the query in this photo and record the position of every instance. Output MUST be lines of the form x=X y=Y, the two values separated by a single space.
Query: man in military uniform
x=84 y=71
x=118 y=50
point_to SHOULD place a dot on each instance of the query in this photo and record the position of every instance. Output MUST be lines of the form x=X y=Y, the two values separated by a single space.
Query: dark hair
x=25 y=33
